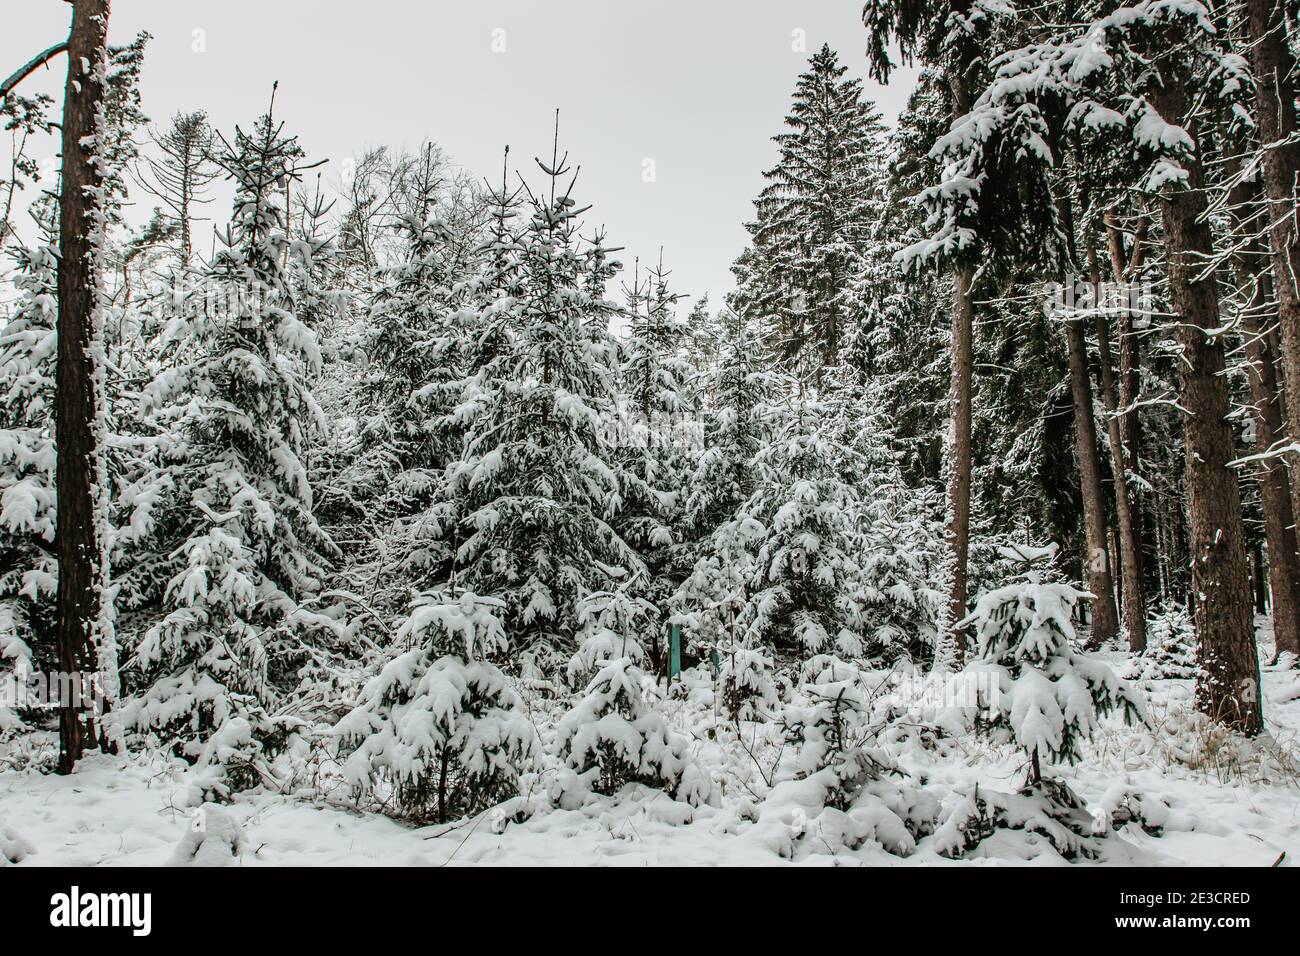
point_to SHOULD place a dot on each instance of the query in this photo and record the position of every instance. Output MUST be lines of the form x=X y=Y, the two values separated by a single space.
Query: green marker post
x=674 y=650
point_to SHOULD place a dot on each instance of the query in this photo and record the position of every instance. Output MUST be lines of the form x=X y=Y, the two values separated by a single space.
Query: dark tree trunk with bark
x=76 y=411
x=1128 y=389
x=1096 y=559
x=1275 y=115
x=1105 y=619
x=959 y=428
x=1274 y=487
x=1127 y=537
x=959 y=452
x=1227 y=686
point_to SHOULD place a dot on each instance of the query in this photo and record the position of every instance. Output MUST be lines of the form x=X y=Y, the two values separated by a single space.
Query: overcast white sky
x=698 y=87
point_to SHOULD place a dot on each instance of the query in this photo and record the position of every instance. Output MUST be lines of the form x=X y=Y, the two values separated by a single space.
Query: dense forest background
x=383 y=456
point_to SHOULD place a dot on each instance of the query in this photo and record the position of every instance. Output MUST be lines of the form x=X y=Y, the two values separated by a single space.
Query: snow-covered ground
x=1229 y=803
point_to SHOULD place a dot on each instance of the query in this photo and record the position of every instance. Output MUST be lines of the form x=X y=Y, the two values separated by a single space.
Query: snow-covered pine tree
x=657 y=435
x=805 y=595
x=899 y=549
x=815 y=218
x=413 y=336
x=1033 y=687
x=746 y=681
x=439 y=731
x=1171 y=648
x=490 y=298
x=537 y=483
x=828 y=727
x=245 y=548
x=412 y=346
x=613 y=737
x=27 y=497
x=738 y=396
x=613 y=624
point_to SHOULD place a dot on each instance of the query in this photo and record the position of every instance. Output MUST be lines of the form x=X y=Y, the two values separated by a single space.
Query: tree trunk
x=1129 y=387
x=1227 y=686
x=1105 y=619
x=959 y=453
x=1274 y=489
x=77 y=399
x=1261 y=588
x=959 y=430
x=1097 y=563
x=1127 y=536
x=1275 y=75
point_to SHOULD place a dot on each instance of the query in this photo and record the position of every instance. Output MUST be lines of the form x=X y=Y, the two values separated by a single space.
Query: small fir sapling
x=613 y=624
x=439 y=731
x=613 y=736
x=1036 y=689
x=1171 y=648
x=843 y=788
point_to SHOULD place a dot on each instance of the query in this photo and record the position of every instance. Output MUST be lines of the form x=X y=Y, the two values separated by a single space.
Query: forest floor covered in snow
x=1229 y=802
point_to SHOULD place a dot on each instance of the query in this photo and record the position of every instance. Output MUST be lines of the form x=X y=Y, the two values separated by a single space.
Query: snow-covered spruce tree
x=840 y=788
x=412 y=347
x=814 y=218
x=613 y=624
x=245 y=548
x=439 y=732
x=658 y=434
x=804 y=596
x=1171 y=648
x=900 y=546
x=746 y=681
x=740 y=395
x=1032 y=689
x=536 y=484
x=1035 y=689
x=490 y=297
x=28 y=570
x=411 y=334
x=613 y=737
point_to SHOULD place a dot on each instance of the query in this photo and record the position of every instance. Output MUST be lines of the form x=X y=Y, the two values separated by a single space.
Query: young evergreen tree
x=27 y=496
x=537 y=484
x=440 y=727
x=1036 y=688
x=247 y=548
x=658 y=431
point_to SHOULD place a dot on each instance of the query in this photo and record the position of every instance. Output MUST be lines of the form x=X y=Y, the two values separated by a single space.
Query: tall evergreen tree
x=537 y=484
x=28 y=569
x=816 y=218
x=247 y=547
